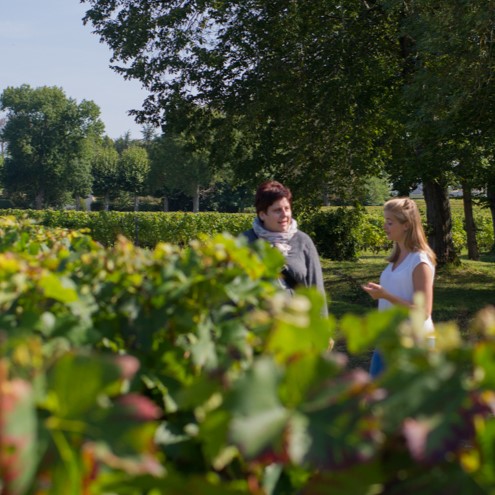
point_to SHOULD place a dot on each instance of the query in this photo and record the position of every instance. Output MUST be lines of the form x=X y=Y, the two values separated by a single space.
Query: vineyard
x=340 y=233
x=179 y=370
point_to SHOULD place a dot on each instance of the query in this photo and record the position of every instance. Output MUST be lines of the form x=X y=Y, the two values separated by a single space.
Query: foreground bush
x=174 y=370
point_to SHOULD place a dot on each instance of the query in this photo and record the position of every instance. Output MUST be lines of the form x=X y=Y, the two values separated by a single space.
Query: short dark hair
x=268 y=192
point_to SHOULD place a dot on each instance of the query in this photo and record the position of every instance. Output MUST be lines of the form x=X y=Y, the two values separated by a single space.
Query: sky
x=44 y=43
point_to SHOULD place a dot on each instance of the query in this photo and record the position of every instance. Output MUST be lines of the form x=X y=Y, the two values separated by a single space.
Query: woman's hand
x=376 y=291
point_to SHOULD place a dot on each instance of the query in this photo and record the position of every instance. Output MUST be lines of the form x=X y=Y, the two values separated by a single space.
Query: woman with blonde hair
x=411 y=267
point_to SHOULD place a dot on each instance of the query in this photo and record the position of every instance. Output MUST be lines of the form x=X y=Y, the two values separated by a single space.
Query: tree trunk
x=325 y=195
x=196 y=200
x=472 y=244
x=136 y=202
x=439 y=220
x=490 y=196
x=77 y=199
x=39 y=199
x=106 y=202
x=165 y=204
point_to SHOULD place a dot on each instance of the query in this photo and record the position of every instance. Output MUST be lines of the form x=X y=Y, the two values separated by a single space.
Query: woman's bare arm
x=422 y=282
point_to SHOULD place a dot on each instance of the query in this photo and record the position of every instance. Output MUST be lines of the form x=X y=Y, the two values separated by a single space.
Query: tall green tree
x=300 y=85
x=178 y=166
x=46 y=135
x=148 y=132
x=105 y=171
x=81 y=179
x=444 y=111
x=134 y=168
x=123 y=142
x=163 y=152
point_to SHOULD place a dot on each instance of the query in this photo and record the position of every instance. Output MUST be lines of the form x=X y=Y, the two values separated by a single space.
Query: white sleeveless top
x=399 y=282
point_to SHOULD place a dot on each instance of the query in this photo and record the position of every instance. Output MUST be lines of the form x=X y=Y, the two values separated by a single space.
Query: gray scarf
x=280 y=240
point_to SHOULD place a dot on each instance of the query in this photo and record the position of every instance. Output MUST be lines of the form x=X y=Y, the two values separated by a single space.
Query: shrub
x=339 y=233
x=336 y=232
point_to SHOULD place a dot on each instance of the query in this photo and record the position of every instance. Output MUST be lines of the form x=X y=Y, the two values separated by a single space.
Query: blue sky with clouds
x=44 y=43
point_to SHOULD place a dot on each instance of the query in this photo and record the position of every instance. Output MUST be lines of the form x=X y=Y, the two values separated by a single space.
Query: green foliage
x=184 y=313
x=46 y=135
x=185 y=369
x=74 y=421
x=80 y=177
x=377 y=191
x=178 y=165
x=146 y=228
x=372 y=237
x=299 y=90
x=18 y=425
x=104 y=169
x=336 y=232
x=484 y=231
x=134 y=168
x=339 y=233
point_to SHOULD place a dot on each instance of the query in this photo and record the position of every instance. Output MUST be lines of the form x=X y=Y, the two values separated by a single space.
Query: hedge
x=341 y=233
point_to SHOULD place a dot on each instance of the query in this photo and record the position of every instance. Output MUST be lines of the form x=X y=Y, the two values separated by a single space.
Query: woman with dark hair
x=274 y=224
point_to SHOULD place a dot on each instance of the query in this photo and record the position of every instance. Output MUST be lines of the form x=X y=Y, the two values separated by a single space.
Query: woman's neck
x=403 y=251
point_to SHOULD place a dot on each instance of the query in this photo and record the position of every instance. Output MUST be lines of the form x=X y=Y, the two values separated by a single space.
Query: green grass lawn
x=459 y=292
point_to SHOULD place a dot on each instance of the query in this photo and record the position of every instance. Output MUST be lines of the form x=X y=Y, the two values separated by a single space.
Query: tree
x=299 y=87
x=163 y=151
x=134 y=168
x=105 y=171
x=123 y=142
x=46 y=135
x=148 y=132
x=320 y=94
x=377 y=191
x=80 y=179
x=176 y=167
x=445 y=109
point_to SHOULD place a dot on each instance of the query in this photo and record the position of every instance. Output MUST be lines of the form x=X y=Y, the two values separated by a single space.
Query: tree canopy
x=46 y=135
x=322 y=95
x=134 y=167
x=105 y=171
x=300 y=86
x=444 y=109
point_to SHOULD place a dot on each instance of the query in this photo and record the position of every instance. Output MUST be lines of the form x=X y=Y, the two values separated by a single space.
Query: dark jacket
x=302 y=263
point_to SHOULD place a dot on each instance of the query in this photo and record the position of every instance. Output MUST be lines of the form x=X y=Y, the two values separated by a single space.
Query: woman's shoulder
x=302 y=242
x=421 y=257
x=302 y=238
x=250 y=235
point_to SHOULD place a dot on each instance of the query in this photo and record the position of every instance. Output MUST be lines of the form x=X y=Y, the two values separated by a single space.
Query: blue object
x=377 y=364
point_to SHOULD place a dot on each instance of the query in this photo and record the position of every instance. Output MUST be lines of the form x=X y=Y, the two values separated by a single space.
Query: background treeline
x=51 y=161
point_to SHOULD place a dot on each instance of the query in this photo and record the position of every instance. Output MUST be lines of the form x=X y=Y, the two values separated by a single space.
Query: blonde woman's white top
x=399 y=281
